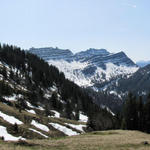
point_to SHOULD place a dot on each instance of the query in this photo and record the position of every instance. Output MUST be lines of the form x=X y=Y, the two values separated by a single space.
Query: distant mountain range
x=98 y=57
x=94 y=68
x=142 y=63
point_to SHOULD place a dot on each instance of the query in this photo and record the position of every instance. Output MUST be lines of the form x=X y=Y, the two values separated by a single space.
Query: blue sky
x=116 y=25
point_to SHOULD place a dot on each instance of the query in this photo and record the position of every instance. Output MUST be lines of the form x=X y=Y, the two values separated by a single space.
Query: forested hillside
x=136 y=113
x=32 y=80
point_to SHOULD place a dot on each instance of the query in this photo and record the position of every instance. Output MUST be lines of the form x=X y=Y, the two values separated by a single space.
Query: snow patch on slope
x=13 y=98
x=10 y=119
x=78 y=127
x=64 y=129
x=7 y=136
x=31 y=106
x=108 y=109
x=38 y=132
x=40 y=126
x=56 y=114
x=31 y=111
x=83 y=118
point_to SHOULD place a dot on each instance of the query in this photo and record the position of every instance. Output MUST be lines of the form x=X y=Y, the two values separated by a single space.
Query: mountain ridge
x=93 y=68
x=89 y=53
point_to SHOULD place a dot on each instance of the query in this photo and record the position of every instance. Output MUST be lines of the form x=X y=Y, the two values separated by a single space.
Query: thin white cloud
x=130 y=5
x=134 y=6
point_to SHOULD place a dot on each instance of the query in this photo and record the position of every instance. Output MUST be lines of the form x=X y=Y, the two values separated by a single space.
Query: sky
x=116 y=25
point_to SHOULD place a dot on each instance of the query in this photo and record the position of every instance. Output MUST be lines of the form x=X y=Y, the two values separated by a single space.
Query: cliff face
x=52 y=53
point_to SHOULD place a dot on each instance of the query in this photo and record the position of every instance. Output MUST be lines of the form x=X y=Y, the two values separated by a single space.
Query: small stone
x=145 y=143
x=2 y=138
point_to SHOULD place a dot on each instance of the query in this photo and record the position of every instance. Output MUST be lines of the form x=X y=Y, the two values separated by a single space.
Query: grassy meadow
x=102 y=140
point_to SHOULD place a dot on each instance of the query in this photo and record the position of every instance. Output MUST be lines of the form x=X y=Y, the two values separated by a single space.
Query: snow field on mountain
x=10 y=119
x=64 y=129
x=73 y=71
x=114 y=70
x=7 y=136
x=40 y=126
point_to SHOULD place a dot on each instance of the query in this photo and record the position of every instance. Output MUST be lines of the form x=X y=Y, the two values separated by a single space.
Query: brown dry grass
x=27 y=117
x=105 y=140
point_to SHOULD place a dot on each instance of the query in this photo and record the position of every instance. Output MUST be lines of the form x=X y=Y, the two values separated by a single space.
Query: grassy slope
x=105 y=140
x=24 y=128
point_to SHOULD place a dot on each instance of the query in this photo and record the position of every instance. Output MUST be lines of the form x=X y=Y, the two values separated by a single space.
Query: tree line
x=136 y=114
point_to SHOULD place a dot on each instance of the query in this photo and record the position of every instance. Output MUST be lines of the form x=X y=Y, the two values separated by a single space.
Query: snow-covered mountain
x=96 y=68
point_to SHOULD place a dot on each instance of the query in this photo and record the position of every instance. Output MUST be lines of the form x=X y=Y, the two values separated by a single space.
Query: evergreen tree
x=4 y=72
x=130 y=113
x=123 y=124
x=140 y=111
x=68 y=110
x=147 y=115
x=54 y=100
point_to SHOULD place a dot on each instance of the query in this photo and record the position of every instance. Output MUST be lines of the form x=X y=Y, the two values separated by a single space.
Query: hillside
x=105 y=140
x=37 y=101
x=32 y=123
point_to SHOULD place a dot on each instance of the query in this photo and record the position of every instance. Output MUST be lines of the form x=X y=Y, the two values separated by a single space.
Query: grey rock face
x=96 y=57
x=52 y=53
